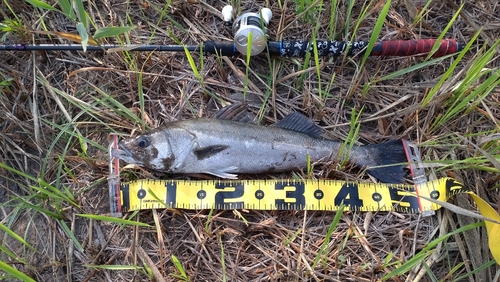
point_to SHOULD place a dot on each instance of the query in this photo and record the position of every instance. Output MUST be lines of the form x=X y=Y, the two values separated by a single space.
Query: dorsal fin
x=298 y=122
x=235 y=112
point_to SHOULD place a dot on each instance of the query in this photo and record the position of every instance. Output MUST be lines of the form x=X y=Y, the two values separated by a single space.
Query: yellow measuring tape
x=326 y=195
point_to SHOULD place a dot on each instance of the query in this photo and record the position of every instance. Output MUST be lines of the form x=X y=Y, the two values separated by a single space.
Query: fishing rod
x=251 y=29
x=285 y=48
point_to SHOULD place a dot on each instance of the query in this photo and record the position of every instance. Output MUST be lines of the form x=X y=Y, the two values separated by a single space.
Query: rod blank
x=74 y=47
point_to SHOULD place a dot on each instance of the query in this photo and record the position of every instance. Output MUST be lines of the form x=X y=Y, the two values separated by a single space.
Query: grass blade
x=323 y=252
x=179 y=267
x=80 y=11
x=83 y=34
x=15 y=273
x=15 y=236
x=222 y=259
x=71 y=235
x=41 y=5
x=448 y=72
x=427 y=251
x=67 y=9
x=114 y=220
x=112 y=31
x=114 y=267
x=376 y=31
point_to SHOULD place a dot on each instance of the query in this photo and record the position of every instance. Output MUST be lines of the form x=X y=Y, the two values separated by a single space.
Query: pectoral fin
x=205 y=152
x=223 y=173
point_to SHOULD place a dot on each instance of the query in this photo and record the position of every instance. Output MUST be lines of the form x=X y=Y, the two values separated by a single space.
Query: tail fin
x=387 y=161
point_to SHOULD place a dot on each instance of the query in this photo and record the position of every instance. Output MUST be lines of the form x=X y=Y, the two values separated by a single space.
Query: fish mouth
x=122 y=152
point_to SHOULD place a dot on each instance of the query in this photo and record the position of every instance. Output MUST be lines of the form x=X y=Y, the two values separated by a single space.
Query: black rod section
x=71 y=47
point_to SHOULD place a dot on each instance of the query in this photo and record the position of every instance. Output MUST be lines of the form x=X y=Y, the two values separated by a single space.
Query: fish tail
x=387 y=161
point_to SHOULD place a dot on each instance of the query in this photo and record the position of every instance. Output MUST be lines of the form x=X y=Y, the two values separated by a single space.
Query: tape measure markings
x=284 y=195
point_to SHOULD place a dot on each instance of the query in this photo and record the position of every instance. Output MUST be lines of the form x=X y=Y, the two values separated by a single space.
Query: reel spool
x=246 y=26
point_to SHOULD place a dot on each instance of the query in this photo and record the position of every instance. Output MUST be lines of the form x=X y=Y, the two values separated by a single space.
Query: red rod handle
x=415 y=47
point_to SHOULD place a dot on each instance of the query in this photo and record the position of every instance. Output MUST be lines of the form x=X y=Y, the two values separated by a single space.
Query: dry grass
x=59 y=108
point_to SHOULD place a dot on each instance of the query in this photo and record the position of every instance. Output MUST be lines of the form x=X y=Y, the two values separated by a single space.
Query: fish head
x=151 y=150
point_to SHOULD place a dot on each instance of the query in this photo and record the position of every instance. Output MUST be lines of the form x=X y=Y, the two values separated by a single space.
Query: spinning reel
x=249 y=28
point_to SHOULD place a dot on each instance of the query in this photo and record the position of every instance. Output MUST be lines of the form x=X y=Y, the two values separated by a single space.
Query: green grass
x=307 y=10
x=352 y=136
x=324 y=249
x=222 y=259
x=14 y=273
x=425 y=252
x=182 y=276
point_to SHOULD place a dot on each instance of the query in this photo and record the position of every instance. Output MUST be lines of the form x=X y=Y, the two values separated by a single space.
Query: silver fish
x=223 y=148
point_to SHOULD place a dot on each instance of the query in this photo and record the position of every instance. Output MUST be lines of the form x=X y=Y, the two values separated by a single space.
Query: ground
x=59 y=107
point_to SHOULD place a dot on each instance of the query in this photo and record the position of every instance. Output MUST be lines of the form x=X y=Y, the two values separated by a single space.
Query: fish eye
x=143 y=142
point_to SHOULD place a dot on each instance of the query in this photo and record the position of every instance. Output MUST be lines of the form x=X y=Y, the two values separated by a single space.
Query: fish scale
x=253 y=148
